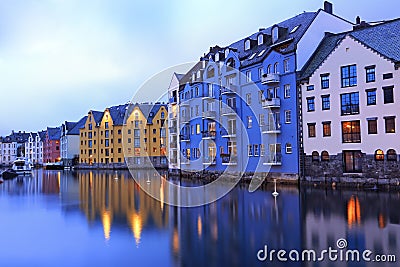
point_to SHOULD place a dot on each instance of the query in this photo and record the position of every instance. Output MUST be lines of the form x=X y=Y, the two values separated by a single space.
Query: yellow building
x=112 y=135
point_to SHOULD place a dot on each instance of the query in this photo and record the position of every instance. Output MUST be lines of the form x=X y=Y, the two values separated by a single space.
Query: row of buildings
x=99 y=139
x=314 y=95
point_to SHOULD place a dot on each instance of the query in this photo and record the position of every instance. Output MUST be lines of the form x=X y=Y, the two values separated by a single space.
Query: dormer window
x=260 y=39
x=216 y=57
x=247 y=45
x=210 y=72
x=193 y=76
x=226 y=52
x=294 y=29
x=230 y=63
x=198 y=74
x=275 y=34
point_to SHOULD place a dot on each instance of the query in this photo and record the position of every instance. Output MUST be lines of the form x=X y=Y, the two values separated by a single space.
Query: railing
x=271 y=128
x=185 y=137
x=225 y=111
x=209 y=161
x=209 y=135
x=273 y=159
x=173 y=100
x=271 y=103
x=229 y=89
x=185 y=119
x=270 y=78
x=229 y=159
x=211 y=114
x=229 y=133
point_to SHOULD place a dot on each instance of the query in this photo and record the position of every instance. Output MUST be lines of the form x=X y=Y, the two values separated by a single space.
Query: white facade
x=9 y=152
x=323 y=22
x=173 y=124
x=69 y=146
x=34 y=149
x=351 y=52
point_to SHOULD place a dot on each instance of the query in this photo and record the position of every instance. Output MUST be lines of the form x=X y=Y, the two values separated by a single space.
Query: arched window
x=210 y=72
x=379 y=155
x=269 y=69
x=260 y=39
x=391 y=155
x=231 y=63
x=315 y=156
x=247 y=45
x=324 y=156
x=276 y=67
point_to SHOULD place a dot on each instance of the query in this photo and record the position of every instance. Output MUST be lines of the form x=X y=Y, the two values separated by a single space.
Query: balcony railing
x=185 y=138
x=209 y=161
x=229 y=89
x=209 y=135
x=185 y=161
x=270 y=78
x=211 y=114
x=271 y=103
x=271 y=128
x=209 y=96
x=229 y=133
x=229 y=159
x=228 y=111
x=273 y=159
x=185 y=119
x=173 y=100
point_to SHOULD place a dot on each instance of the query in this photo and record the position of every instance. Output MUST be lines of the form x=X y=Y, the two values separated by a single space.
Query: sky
x=61 y=58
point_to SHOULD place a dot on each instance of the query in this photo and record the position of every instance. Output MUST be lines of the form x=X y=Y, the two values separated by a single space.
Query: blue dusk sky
x=61 y=58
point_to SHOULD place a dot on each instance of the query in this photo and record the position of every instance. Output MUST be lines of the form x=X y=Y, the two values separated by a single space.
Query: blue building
x=238 y=106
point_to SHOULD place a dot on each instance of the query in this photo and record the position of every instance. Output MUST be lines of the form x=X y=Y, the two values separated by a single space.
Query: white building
x=70 y=141
x=349 y=103
x=34 y=148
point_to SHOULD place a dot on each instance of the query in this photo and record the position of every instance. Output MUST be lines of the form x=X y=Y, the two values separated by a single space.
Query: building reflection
x=115 y=198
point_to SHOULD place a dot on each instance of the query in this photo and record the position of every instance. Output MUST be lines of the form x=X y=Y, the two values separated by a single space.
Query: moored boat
x=9 y=174
x=22 y=166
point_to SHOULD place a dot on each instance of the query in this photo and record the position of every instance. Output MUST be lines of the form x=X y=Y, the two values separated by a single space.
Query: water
x=58 y=218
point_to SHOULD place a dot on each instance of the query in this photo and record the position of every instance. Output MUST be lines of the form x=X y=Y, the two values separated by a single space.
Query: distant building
x=34 y=147
x=350 y=103
x=13 y=146
x=51 y=146
x=69 y=141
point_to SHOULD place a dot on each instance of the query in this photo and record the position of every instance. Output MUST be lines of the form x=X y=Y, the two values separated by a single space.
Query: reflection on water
x=106 y=219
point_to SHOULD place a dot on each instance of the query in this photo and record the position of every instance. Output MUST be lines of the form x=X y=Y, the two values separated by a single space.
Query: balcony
x=271 y=128
x=185 y=119
x=185 y=161
x=229 y=134
x=208 y=96
x=271 y=103
x=185 y=138
x=229 y=159
x=173 y=145
x=173 y=100
x=229 y=89
x=173 y=130
x=270 y=78
x=209 y=161
x=273 y=159
x=211 y=114
x=228 y=111
x=209 y=135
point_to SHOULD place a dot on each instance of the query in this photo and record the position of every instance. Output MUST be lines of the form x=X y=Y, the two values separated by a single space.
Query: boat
x=22 y=166
x=9 y=174
x=54 y=166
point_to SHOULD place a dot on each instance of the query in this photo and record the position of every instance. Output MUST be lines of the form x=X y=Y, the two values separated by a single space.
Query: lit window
x=390 y=124
x=379 y=155
x=326 y=128
x=311 y=129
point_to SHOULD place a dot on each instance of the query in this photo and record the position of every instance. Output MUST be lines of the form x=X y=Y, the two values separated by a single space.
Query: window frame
x=324 y=80
x=311 y=130
x=352 y=136
x=370 y=71
x=326 y=102
x=348 y=75
x=371 y=98
x=310 y=103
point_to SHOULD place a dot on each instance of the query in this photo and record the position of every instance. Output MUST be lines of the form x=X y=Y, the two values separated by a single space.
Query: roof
x=42 y=135
x=97 y=115
x=148 y=110
x=383 y=38
x=54 y=133
x=117 y=114
x=78 y=125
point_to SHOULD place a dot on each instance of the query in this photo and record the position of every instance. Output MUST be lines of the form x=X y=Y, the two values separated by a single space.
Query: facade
x=51 y=145
x=238 y=107
x=349 y=104
x=134 y=131
x=34 y=148
x=13 y=146
x=70 y=141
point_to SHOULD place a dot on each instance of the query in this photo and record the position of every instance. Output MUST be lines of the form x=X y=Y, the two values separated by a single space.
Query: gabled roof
x=383 y=38
x=97 y=116
x=42 y=135
x=78 y=125
x=54 y=133
x=117 y=114
x=148 y=110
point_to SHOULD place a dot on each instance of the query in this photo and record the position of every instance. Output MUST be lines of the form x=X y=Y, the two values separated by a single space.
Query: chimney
x=261 y=29
x=328 y=7
x=358 y=20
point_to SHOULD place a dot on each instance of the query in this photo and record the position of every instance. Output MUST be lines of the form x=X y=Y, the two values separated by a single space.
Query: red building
x=51 y=145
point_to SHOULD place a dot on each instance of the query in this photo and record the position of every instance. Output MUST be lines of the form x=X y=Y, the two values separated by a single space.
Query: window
x=390 y=126
x=260 y=97
x=286 y=90
x=326 y=102
x=90 y=127
x=324 y=156
x=198 y=130
x=249 y=121
x=210 y=73
x=372 y=125
x=349 y=75
x=288 y=148
x=349 y=104
x=276 y=67
x=324 y=81
x=371 y=97
x=351 y=132
x=288 y=116
x=260 y=72
x=352 y=161
x=310 y=87
x=310 y=104
x=248 y=99
x=388 y=95
x=255 y=150
x=248 y=76
x=250 y=150
x=260 y=39
x=311 y=129
x=326 y=128
x=391 y=155
x=262 y=150
x=387 y=76
x=261 y=119
x=106 y=125
x=286 y=65
x=379 y=155
x=247 y=45
x=315 y=156
x=107 y=143
x=107 y=133
x=370 y=74
x=269 y=69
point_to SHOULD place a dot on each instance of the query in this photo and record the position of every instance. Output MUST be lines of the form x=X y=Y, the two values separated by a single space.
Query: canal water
x=103 y=218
